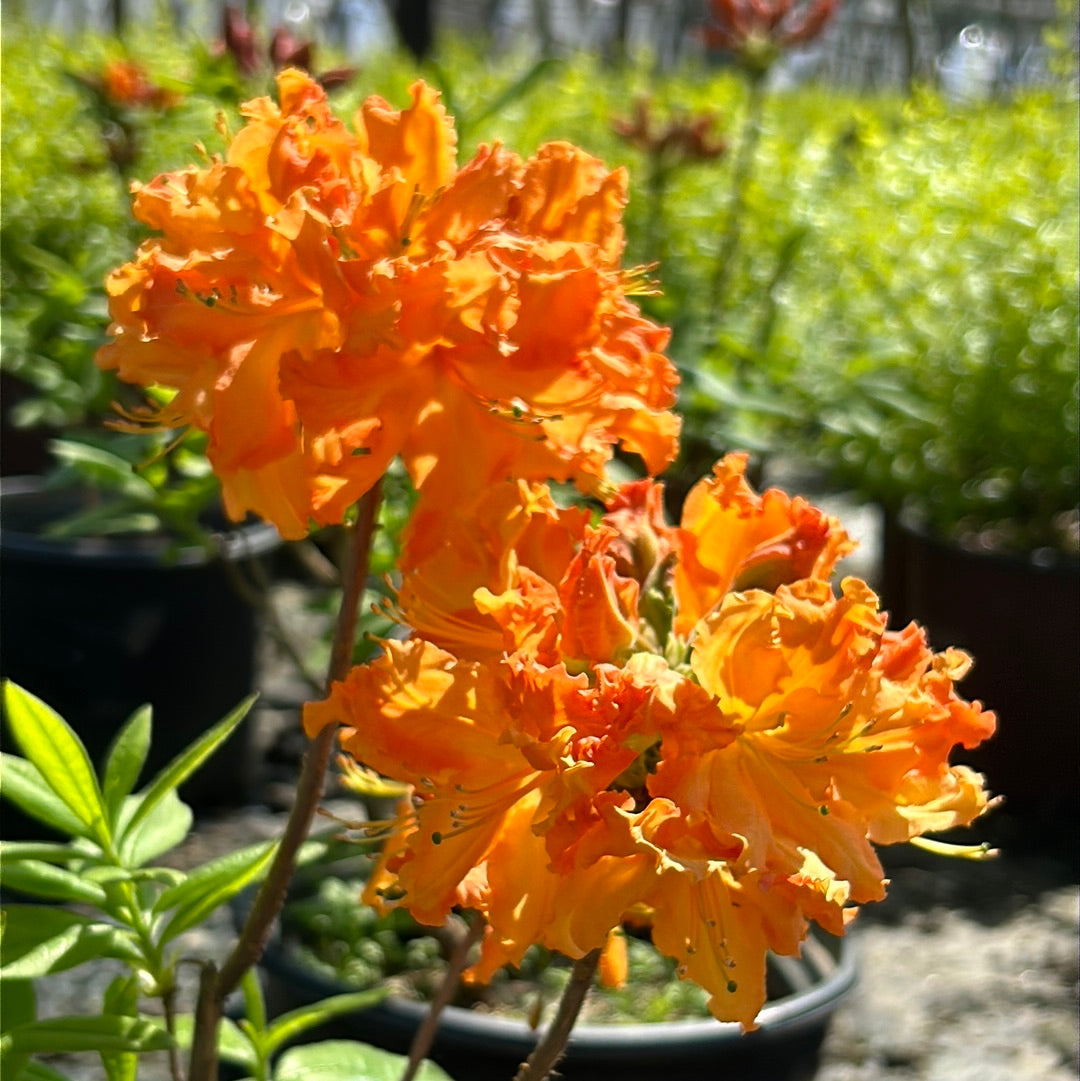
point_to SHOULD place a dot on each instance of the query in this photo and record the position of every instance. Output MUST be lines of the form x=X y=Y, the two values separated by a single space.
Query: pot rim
x=801 y=1009
x=911 y=523
x=233 y=543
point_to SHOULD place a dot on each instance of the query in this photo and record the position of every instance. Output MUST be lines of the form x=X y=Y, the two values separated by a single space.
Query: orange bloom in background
x=323 y=299
x=126 y=83
x=756 y=28
x=686 y=721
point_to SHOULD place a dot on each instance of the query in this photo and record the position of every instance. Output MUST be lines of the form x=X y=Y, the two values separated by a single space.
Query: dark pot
x=1021 y=622
x=98 y=626
x=472 y=1046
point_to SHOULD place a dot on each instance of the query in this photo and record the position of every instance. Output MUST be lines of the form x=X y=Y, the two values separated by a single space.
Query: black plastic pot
x=472 y=1046
x=1020 y=620
x=98 y=626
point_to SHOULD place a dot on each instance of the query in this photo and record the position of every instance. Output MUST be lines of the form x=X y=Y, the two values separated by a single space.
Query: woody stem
x=425 y=1034
x=550 y=1049
x=271 y=895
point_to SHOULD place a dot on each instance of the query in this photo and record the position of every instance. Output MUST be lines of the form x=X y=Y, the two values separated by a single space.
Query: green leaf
x=500 y=102
x=47 y=851
x=254 y=1002
x=103 y=468
x=160 y=876
x=233 y=1045
x=345 y=1060
x=212 y=886
x=103 y=1033
x=163 y=828
x=21 y=783
x=38 y=879
x=125 y=760
x=18 y=1003
x=186 y=763
x=38 y=1071
x=51 y=745
x=121 y=999
x=292 y=1024
x=41 y=939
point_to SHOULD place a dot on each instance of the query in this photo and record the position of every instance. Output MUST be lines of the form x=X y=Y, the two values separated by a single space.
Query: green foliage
x=131 y=909
x=354 y=944
x=899 y=307
x=943 y=373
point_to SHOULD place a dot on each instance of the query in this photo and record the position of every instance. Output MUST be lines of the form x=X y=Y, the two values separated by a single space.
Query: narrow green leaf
x=41 y=939
x=125 y=760
x=21 y=783
x=167 y=824
x=290 y=1025
x=102 y=1033
x=254 y=1002
x=187 y=762
x=105 y=469
x=122 y=999
x=50 y=743
x=18 y=1003
x=213 y=874
x=46 y=851
x=38 y=879
x=39 y=1071
x=345 y=1060
x=227 y=877
x=73 y=947
x=517 y=89
x=160 y=876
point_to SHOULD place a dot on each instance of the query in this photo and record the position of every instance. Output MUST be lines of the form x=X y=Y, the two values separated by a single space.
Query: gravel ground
x=968 y=971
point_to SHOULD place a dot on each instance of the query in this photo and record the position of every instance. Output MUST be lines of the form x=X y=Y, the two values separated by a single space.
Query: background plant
x=901 y=262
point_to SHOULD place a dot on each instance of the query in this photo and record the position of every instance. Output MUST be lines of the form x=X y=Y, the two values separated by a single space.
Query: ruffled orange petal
x=734 y=539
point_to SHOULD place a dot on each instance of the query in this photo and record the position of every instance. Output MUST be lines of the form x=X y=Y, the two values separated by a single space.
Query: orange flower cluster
x=324 y=299
x=604 y=720
x=126 y=83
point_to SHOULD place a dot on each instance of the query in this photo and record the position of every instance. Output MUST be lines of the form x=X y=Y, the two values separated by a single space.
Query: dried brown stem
x=214 y=985
x=425 y=1034
x=551 y=1047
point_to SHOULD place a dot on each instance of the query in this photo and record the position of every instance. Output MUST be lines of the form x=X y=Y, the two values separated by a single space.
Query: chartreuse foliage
x=130 y=908
x=901 y=305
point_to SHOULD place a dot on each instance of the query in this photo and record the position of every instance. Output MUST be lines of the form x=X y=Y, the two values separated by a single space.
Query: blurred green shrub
x=900 y=310
x=932 y=321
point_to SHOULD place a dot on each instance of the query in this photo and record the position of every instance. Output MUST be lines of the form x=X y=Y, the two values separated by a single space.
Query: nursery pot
x=1020 y=621
x=98 y=626
x=474 y=1046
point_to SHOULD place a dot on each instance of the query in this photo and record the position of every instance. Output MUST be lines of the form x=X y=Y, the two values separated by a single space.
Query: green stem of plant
x=550 y=1049
x=740 y=178
x=215 y=985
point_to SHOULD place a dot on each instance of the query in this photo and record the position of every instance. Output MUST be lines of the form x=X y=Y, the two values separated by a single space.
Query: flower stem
x=742 y=170
x=270 y=898
x=550 y=1049
x=425 y=1034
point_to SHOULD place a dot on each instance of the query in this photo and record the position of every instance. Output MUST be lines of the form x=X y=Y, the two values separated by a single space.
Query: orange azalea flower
x=577 y=755
x=323 y=299
x=126 y=83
